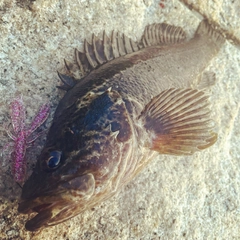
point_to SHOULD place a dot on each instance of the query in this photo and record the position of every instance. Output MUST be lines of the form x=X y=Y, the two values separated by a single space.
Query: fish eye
x=54 y=159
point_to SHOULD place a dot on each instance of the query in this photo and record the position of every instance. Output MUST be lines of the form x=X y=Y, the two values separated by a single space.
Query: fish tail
x=205 y=29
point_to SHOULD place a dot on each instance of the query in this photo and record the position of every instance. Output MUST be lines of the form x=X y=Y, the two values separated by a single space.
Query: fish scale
x=134 y=101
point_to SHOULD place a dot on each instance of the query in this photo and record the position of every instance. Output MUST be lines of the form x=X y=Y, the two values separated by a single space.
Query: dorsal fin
x=69 y=80
x=102 y=51
x=157 y=34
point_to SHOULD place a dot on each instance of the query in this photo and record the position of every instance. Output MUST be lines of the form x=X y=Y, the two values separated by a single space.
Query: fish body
x=133 y=102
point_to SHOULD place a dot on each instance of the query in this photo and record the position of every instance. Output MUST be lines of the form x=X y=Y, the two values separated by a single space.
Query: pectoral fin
x=178 y=122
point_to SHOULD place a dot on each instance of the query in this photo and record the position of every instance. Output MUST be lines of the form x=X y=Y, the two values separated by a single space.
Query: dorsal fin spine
x=115 y=44
x=121 y=47
x=83 y=62
x=96 y=50
x=107 y=46
x=90 y=54
x=127 y=44
x=78 y=61
x=67 y=65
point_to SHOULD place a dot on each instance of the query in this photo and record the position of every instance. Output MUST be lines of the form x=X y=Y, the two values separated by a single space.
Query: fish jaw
x=57 y=202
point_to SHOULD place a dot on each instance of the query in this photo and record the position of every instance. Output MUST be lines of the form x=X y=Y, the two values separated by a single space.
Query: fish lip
x=43 y=216
x=38 y=221
x=51 y=203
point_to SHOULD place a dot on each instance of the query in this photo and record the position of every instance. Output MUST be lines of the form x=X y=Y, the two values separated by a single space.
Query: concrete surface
x=196 y=197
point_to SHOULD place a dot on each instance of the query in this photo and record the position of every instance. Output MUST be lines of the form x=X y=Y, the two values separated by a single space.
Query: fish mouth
x=56 y=204
x=48 y=214
x=44 y=213
x=45 y=203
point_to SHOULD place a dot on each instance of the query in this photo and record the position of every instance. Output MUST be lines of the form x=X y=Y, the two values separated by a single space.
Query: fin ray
x=115 y=44
x=98 y=50
x=107 y=45
x=90 y=54
x=127 y=44
x=160 y=34
x=82 y=62
x=68 y=82
x=120 y=43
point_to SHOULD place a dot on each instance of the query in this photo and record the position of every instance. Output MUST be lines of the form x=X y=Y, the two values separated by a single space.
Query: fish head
x=54 y=198
x=81 y=163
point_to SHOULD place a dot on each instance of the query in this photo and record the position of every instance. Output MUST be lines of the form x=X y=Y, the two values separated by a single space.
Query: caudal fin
x=205 y=29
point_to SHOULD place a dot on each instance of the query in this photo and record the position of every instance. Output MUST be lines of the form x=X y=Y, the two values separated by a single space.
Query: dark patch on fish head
x=73 y=172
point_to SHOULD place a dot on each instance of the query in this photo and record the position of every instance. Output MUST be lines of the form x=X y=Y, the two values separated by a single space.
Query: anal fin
x=178 y=122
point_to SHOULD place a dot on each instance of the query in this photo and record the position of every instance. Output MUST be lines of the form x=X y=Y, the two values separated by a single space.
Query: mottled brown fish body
x=134 y=100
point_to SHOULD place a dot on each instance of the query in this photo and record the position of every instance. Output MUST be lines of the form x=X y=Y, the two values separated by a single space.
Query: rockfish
x=132 y=102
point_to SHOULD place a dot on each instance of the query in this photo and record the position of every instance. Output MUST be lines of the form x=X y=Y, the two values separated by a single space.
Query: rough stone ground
x=196 y=197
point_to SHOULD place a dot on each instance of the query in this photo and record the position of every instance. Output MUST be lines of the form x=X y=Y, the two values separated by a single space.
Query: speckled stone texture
x=195 y=197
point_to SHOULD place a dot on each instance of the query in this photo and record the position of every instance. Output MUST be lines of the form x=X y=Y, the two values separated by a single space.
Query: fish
x=133 y=101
